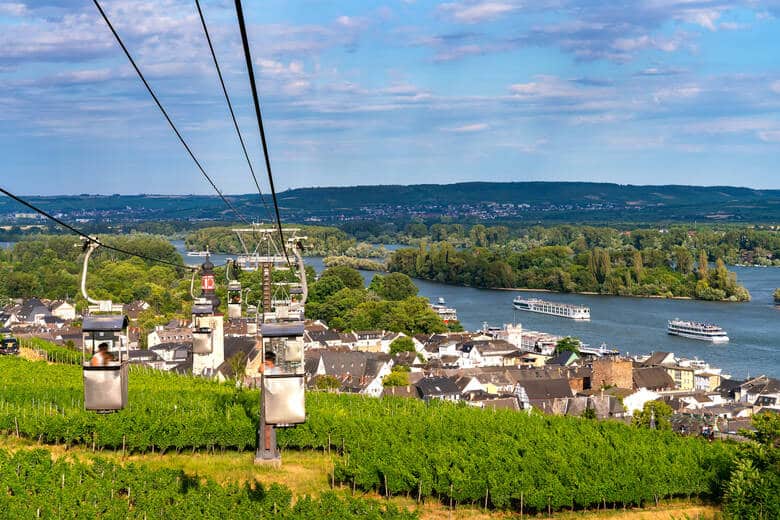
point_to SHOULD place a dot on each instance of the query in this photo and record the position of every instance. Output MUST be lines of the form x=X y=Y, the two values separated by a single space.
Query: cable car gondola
x=234 y=293
x=106 y=371
x=105 y=338
x=234 y=299
x=284 y=401
x=202 y=333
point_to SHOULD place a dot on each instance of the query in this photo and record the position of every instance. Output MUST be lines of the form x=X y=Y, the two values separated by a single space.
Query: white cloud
x=12 y=9
x=733 y=26
x=676 y=93
x=526 y=147
x=475 y=12
x=706 y=18
x=770 y=136
x=350 y=22
x=548 y=87
x=470 y=128
x=775 y=87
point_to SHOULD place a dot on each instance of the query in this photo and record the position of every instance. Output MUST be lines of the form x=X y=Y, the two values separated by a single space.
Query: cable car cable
x=232 y=113
x=92 y=239
x=256 y=101
x=165 y=113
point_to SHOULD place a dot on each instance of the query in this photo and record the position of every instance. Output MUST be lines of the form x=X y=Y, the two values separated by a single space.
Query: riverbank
x=592 y=293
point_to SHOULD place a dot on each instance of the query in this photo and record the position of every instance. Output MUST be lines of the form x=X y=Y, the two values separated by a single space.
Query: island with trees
x=570 y=259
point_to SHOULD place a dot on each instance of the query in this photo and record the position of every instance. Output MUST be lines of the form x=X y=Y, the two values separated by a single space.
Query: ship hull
x=711 y=339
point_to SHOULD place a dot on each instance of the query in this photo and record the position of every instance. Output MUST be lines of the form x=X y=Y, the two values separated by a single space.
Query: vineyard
x=501 y=459
x=32 y=485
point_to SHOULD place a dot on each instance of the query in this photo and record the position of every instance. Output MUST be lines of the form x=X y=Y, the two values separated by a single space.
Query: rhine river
x=634 y=325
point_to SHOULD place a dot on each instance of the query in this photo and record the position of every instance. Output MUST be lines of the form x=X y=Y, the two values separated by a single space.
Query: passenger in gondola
x=269 y=365
x=102 y=357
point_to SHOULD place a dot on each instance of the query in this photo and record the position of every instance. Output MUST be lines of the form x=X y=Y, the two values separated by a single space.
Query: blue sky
x=395 y=92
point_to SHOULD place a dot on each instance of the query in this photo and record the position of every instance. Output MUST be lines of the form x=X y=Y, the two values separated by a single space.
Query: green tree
x=568 y=344
x=351 y=277
x=326 y=382
x=478 y=236
x=683 y=260
x=396 y=378
x=753 y=491
x=402 y=344
x=637 y=266
x=602 y=264
x=394 y=286
x=325 y=287
x=703 y=266
x=656 y=412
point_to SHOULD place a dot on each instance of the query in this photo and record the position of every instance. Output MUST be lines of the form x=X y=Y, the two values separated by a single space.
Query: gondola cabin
x=234 y=299
x=106 y=370
x=202 y=331
x=284 y=402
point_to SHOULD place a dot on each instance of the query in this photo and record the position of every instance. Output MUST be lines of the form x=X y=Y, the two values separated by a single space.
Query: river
x=638 y=325
x=632 y=325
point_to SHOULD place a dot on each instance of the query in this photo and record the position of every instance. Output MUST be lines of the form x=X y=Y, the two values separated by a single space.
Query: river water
x=632 y=325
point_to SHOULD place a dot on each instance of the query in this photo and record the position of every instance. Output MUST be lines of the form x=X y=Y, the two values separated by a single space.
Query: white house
x=63 y=310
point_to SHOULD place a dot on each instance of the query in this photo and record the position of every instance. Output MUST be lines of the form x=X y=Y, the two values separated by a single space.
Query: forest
x=436 y=451
x=734 y=243
x=320 y=241
x=49 y=266
x=588 y=260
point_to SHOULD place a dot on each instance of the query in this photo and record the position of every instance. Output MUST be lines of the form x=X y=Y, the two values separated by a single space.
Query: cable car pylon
x=282 y=377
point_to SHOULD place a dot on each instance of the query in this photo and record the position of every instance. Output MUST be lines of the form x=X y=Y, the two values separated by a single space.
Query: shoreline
x=592 y=293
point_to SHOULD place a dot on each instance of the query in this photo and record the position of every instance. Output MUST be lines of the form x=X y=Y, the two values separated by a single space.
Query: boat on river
x=697 y=330
x=563 y=310
x=447 y=314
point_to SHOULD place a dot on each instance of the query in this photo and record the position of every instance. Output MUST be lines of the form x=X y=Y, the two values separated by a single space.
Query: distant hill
x=545 y=201
x=528 y=192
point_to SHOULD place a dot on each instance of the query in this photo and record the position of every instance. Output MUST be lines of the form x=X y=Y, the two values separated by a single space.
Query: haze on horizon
x=397 y=92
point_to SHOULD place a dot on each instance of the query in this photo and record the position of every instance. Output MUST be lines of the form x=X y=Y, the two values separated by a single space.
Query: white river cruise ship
x=564 y=310
x=696 y=330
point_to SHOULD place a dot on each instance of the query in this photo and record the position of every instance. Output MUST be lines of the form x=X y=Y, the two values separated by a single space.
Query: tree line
x=735 y=244
x=624 y=271
x=49 y=266
x=321 y=241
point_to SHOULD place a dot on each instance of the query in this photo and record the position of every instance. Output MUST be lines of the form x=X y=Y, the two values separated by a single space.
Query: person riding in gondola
x=102 y=357
x=269 y=364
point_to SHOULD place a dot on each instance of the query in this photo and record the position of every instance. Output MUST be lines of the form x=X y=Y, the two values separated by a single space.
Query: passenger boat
x=447 y=314
x=697 y=330
x=564 y=310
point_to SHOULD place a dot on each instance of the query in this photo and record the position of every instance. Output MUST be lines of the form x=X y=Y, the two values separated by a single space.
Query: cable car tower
x=262 y=250
x=281 y=342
